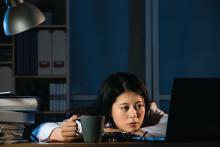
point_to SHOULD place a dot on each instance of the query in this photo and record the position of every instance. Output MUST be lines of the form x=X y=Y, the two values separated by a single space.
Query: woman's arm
x=66 y=131
x=149 y=131
x=158 y=128
x=43 y=131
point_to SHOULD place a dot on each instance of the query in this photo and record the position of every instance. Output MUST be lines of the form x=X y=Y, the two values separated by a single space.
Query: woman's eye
x=139 y=106
x=125 y=108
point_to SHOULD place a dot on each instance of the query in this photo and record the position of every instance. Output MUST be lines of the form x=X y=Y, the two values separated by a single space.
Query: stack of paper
x=16 y=112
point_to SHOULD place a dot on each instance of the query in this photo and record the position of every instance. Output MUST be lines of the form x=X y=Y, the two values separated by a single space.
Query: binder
x=59 y=52
x=6 y=77
x=26 y=53
x=44 y=52
x=52 y=97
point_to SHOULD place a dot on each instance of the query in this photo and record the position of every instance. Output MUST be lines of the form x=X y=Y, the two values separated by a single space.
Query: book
x=17 y=117
x=19 y=103
x=5 y=54
x=6 y=77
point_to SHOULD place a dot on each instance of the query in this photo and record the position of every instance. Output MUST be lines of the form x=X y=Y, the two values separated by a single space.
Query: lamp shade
x=21 y=16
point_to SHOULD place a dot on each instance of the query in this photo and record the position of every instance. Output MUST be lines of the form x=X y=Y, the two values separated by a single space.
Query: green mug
x=92 y=128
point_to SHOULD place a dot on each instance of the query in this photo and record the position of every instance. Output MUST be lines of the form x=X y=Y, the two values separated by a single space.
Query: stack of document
x=16 y=112
x=12 y=133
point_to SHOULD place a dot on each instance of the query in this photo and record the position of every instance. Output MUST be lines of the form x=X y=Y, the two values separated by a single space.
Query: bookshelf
x=37 y=63
x=6 y=58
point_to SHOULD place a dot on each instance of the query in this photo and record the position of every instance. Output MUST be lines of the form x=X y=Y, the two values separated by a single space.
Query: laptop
x=194 y=113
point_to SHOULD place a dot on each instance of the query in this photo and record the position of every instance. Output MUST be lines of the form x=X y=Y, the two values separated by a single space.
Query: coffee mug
x=92 y=128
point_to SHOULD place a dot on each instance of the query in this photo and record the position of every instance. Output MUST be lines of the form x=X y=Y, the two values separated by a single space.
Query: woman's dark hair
x=113 y=86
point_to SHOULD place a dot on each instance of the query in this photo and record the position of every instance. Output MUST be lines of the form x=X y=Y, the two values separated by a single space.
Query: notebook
x=194 y=110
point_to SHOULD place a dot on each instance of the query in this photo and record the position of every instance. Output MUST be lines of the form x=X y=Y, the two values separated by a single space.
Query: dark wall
x=103 y=39
x=189 y=34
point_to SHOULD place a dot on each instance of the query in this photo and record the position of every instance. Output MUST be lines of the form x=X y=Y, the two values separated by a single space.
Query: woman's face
x=128 y=111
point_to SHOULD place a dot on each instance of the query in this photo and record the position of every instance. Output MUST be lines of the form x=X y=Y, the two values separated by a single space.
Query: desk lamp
x=21 y=16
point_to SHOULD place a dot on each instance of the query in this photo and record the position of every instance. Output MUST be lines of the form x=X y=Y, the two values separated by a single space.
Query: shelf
x=51 y=113
x=6 y=63
x=6 y=44
x=52 y=27
x=39 y=77
x=26 y=77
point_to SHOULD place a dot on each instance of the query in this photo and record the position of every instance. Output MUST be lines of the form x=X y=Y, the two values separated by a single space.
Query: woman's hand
x=68 y=132
x=154 y=108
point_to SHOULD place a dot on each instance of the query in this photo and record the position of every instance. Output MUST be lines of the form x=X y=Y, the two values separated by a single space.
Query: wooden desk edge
x=148 y=144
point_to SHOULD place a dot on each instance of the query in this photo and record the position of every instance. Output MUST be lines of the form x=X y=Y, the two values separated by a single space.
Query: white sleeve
x=158 y=129
x=43 y=131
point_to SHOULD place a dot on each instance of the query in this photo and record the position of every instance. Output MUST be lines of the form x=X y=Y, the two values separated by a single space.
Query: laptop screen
x=194 y=110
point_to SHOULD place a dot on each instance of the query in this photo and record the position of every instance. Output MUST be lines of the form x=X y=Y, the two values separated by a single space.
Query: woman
x=124 y=102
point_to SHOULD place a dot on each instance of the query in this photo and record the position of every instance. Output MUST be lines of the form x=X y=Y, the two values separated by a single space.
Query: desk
x=150 y=144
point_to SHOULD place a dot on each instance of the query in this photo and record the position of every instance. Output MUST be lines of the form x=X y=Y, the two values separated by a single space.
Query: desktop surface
x=116 y=144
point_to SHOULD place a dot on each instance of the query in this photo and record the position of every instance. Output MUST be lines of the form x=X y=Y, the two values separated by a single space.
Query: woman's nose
x=132 y=113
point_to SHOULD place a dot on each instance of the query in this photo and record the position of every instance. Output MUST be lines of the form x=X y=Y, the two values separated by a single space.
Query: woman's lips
x=133 y=124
